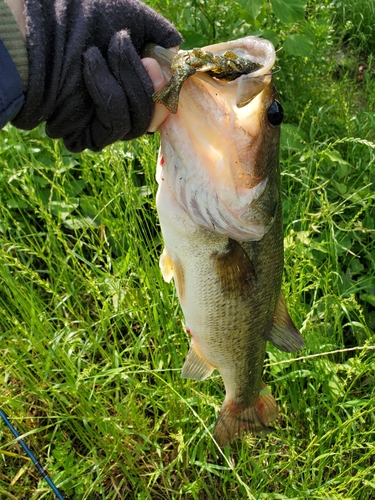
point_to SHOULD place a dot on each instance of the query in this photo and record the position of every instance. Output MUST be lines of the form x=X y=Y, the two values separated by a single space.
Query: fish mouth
x=259 y=52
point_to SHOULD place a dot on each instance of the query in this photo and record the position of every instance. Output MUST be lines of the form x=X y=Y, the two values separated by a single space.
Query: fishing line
x=320 y=354
x=30 y=454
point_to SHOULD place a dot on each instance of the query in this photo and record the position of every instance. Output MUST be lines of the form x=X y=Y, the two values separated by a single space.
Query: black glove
x=86 y=78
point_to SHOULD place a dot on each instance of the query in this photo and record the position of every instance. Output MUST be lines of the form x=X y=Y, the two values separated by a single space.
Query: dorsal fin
x=284 y=334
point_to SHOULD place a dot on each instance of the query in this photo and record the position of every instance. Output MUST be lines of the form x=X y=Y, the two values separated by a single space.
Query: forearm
x=18 y=9
x=13 y=60
x=13 y=34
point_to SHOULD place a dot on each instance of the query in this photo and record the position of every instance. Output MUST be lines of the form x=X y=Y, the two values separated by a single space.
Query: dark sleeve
x=11 y=94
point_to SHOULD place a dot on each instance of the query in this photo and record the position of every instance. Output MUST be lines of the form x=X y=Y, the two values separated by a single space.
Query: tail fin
x=235 y=420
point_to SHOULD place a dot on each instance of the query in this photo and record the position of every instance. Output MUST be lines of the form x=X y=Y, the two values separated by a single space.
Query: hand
x=86 y=77
x=158 y=79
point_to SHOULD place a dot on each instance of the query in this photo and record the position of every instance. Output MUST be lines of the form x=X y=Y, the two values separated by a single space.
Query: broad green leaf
x=342 y=167
x=356 y=266
x=74 y=187
x=308 y=32
x=265 y=391
x=344 y=245
x=89 y=209
x=253 y=7
x=40 y=180
x=69 y=161
x=193 y=39
x=144 y=191
x=341 y=188
x=371 y=318
x=335 y=386
x=298 y=45
x=332 y=383
x=64 y=208
x=252 y=23
x=368 y=297
x=271 y=36
x=20 y=204
x=289 y=11
x=335 y=156
x=368 y=284
x=78 y=222
x=342 y=170
x=304 y=237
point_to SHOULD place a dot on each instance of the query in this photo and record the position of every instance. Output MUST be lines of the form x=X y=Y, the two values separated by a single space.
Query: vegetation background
x=92 y=340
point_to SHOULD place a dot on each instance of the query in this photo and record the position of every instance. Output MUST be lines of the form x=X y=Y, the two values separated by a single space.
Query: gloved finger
x=71 y=115
x=156 y=30
x=112 y=118
x=129 y=71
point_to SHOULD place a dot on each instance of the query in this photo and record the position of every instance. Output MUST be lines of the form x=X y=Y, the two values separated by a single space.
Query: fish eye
x=275 y=114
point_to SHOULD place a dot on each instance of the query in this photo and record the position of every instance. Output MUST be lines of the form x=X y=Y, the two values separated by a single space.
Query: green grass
x=92 y=340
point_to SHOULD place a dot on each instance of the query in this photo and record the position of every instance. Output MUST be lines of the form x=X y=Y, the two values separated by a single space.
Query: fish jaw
x=225 y=172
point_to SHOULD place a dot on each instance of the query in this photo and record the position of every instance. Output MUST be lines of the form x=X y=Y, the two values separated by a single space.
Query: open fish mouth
x=259 y=50
x=229 y=61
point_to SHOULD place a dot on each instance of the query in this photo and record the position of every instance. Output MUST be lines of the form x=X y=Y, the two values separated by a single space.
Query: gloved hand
x=86 y=78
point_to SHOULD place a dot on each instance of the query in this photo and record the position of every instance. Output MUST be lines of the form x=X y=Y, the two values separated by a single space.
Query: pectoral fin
x=235 y=270
x=195 y=366
x=173 y=269
x=166 y=266
x=284 y=335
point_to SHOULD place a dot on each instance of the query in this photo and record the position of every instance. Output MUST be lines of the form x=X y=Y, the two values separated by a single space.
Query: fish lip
x=257 y=49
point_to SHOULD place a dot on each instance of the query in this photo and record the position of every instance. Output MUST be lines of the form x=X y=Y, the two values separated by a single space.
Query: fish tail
x=235 y=420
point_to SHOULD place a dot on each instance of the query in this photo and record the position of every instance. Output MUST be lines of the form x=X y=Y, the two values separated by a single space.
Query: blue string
x=29 y=453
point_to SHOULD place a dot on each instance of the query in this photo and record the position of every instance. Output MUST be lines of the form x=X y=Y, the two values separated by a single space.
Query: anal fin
x=284 y=334
x=195 y=367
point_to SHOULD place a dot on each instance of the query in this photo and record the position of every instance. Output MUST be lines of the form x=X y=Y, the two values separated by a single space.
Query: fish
x=219 y=207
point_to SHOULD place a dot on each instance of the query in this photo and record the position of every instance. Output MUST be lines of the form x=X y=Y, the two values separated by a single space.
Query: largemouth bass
x=220 y=214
